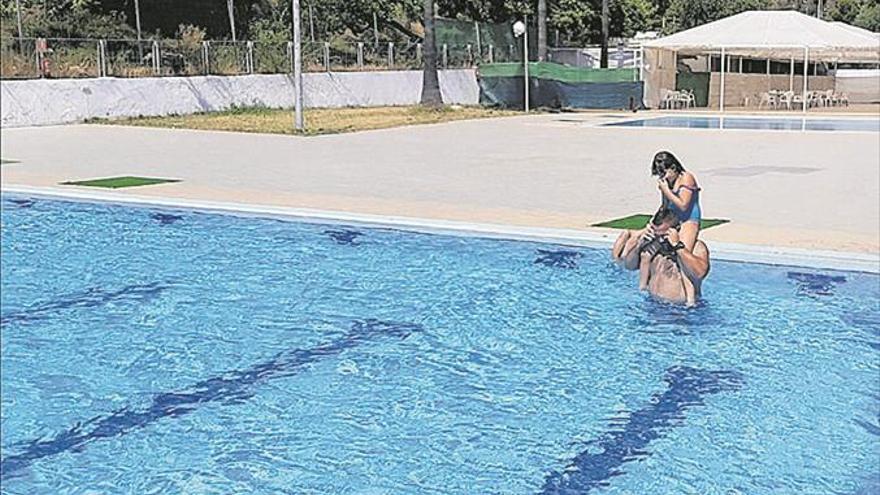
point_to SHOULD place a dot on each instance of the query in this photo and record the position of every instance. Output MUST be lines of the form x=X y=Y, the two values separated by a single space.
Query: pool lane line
x=88 y=298
x=593 y=238
x=632 y=433
x=230 y=388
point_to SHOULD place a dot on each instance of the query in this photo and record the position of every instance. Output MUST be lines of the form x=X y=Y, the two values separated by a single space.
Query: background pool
x=155 y=351
x=756 y=123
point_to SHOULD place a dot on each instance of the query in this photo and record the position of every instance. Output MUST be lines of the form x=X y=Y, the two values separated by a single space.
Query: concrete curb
x=594 y=238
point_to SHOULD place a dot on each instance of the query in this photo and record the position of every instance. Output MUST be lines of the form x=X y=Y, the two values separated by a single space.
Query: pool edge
x=595 y=238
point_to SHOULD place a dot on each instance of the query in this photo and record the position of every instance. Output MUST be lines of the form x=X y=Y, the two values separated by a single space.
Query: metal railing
x=28 y=58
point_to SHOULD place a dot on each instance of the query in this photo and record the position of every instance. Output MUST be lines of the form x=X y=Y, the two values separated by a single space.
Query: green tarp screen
x=559 y=86
x=698 y=82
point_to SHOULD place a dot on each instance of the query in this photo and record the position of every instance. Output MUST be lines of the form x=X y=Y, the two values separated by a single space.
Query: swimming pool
x=755 y=123
x=160 y=351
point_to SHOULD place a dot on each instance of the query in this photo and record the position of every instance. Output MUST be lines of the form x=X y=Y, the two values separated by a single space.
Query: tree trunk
x=431 y=96
x=603 y=58
x=542 y=30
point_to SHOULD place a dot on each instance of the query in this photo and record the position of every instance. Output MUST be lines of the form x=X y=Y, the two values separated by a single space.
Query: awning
x=776 y=34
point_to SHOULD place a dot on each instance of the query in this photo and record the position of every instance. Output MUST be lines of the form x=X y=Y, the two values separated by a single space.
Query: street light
x=519 y=29
x=298 y=121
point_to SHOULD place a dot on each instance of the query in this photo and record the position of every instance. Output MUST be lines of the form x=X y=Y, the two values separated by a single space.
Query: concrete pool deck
x=783 y=190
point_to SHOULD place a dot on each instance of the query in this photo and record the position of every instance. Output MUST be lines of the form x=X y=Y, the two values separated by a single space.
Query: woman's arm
x=685 y=195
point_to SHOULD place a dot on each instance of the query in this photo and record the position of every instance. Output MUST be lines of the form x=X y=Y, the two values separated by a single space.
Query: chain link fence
x=29 y=58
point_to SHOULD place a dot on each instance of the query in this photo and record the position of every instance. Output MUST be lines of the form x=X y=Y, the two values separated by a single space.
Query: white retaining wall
x=60 y=101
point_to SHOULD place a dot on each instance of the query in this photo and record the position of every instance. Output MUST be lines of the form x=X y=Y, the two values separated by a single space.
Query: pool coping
x=592 y=237
x=620 y=124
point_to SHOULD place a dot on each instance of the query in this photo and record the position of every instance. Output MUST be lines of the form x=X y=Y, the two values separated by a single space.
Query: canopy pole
x=721 y=96
x=791 y=75
x=641 y=63
x=806 y=74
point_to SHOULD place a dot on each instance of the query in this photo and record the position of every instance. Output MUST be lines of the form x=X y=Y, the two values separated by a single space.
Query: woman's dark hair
x=664 y=161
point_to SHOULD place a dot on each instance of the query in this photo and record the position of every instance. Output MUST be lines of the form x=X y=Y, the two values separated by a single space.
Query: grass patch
x=318 y=120
x=119 y=182
x=636 y=222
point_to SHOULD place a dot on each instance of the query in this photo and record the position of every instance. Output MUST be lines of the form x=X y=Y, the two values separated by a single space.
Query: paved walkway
x=813 y=190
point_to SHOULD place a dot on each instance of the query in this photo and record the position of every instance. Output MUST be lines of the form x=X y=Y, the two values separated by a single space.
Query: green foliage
x=342 y=22
x=844 y=10
x=869 y=16
x=685 y=14
x=631 y=16
x=862 y=13
x=64 y=19
x=577 y=18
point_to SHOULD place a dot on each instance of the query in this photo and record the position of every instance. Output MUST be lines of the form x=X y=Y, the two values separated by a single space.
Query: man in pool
x=667 y=270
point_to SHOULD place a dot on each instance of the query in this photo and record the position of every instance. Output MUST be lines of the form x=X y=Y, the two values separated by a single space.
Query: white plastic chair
x=787 y=98
x=769 y=100
x=688 y=98
x=669 y=99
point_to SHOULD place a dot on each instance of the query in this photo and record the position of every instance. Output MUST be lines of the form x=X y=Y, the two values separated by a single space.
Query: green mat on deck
x=636 y=222
x=119 y=182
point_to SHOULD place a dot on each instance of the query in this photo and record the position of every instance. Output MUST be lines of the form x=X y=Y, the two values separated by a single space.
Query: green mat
x=118 y=182
x=4 y=161
x=636 y=222
x=557 y=72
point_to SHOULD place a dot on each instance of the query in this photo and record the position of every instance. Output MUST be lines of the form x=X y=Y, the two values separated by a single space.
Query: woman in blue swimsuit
x=680 y=193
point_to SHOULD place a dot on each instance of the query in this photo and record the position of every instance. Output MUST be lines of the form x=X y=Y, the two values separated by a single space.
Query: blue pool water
x=775 y=124
x=155 y=351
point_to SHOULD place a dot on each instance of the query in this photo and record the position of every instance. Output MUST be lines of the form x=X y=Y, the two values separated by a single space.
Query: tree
x=577 y=18
x=686 y=14
x=603 y=58
x=844 y=10
x=869 y=16
x=628 y=17
x=431 y=96
x=64 y=19
x=542 y=30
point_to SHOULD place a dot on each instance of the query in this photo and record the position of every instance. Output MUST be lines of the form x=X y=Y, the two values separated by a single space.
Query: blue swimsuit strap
x=683 y=186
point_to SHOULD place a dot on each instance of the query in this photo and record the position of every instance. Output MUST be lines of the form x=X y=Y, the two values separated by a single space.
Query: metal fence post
x=419 y=53
x=445 y=55
x=38 y=57
x=390 y=54
x=360 y=54
x=491 y=54
x=510 y=52
x=250 y=57
x=99 y=59
x=102 y=58
x=470 y=54
x=205 y=57
x=157 y=58
x=327 y=56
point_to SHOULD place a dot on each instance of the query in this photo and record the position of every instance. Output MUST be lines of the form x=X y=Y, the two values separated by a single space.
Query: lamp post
x=298 y=121
x=520 y=29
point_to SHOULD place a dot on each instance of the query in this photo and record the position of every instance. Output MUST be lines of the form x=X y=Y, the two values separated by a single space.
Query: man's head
x=664 y=219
